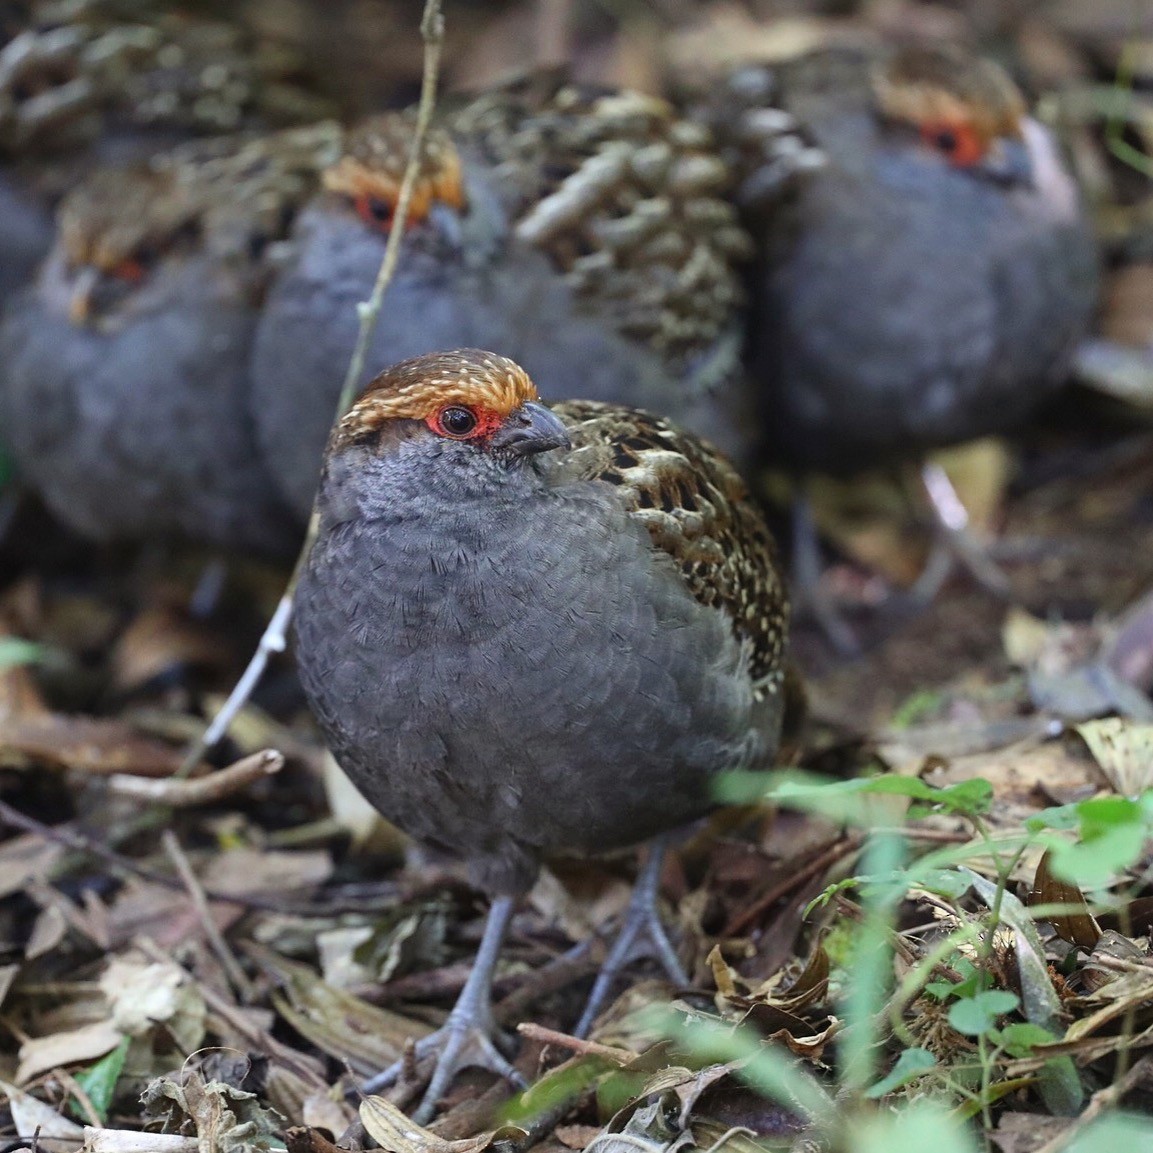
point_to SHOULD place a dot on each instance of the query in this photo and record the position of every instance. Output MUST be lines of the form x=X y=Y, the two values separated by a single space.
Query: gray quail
x=929 y=282
x=584 y=233
x=124 y=371
x=107 y=82
x=525 y=630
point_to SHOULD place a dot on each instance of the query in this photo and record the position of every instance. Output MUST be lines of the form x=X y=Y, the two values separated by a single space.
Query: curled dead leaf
x=393 y=1130
x=1076 y=926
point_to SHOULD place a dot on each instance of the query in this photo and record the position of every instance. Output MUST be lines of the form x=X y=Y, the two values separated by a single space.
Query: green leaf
x=1019 y=1038
x=15 y=651
x=1093 y=864
x=942 y=882
x=916 y=707
x=1060 y=1087
x=978 y=1014
x=1113 y=832
x=99 y=1081
x=923 y=1125
x=847 y=800
x=1113 y=1132
x=910 y=1065
x=973 y=982
x=1058 y=817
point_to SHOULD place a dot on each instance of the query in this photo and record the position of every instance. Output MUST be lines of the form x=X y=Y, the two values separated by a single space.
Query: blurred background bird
x=583 y=232
x=927 y=285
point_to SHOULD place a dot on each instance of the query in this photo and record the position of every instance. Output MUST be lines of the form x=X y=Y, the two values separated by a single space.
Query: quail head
x=124 y=371
x=584 y=233
x=932 y=277
x=526 y=630
x=100 y=82
x=927 y=284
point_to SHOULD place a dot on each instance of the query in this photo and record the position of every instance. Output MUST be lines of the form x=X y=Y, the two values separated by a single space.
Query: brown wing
x=697 y=509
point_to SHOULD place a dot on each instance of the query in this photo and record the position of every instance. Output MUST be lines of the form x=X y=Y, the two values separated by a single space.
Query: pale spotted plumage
x=587 y=233
x=698 y=510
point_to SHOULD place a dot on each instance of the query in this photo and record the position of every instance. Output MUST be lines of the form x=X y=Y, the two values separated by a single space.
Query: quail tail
x=642 y=919
x=466 y=1038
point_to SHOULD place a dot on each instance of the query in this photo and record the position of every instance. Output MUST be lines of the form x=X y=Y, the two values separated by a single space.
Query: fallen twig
x=228 y=962
x=275 y=638
x=177 y=793
x=573 y=1044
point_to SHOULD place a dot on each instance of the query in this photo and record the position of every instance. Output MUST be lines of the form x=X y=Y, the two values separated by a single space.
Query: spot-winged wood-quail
x=585 y=233
x=525 y=630
x=124 y=372
x=928 y=284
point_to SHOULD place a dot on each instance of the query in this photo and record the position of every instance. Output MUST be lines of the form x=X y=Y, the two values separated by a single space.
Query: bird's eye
x=130 y=271
x=456 y=421
x=376 y=213
x=960 y=143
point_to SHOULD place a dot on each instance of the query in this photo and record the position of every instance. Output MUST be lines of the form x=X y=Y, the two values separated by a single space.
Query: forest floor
x=961 y=933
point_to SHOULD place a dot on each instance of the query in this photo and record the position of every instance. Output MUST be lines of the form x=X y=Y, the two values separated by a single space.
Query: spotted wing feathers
x=697 y=510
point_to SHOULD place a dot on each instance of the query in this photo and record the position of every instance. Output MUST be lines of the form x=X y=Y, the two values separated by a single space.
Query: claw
x=642 y=919
x=809 y=592
x=466 y=1038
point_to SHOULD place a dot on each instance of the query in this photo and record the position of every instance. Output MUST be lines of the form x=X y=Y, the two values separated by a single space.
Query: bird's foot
x=809 y=591
x=954 y=544
x=642 y=927
x=461 y=1043
x=467 y=1038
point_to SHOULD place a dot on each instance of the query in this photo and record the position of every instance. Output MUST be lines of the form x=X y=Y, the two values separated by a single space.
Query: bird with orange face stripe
x=526 y=630
x=585 y=233
x=124 y=394
x=929 y=283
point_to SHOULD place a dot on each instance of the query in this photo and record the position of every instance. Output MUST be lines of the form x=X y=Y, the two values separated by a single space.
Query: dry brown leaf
x=1024 y=1132
x=1129 y=652
x=728 y=34
x=1076 y=926
x=392 y=1130
x=33 y=1119
x=24 y=859
x=161 y=638
x=248 y=871
x=980 y=471
x=347 y=1027
x=1099 y=969
x=134 y=1141
x=87 y=745
x=226 y=1119
x=1124 y=751
x=144 y=996
x=1127 y=311
x=371 y=833
x=39 y=1054
x=308 y=1139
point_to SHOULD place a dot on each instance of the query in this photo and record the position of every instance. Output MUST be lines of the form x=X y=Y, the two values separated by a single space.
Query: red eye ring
x=376 y=213
x=130 y=270
x=958 y=141
x=456 y=421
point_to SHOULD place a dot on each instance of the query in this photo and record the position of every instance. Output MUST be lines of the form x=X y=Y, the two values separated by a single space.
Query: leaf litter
x=211 y=963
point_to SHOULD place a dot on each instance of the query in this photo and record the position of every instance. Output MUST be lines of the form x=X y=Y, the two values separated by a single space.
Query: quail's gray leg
x=642 y=919
x=954 y=543
x=810 y=595
x=466 y=1038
